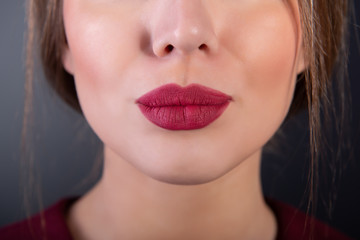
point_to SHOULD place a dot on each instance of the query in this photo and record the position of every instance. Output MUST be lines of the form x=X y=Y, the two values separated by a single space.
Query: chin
x=186 y=178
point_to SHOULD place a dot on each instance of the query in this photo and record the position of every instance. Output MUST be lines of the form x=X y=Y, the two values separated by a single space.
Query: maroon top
x=292 y=222
x=291 y=225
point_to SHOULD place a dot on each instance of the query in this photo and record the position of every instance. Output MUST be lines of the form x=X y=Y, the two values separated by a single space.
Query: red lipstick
x=175 y=108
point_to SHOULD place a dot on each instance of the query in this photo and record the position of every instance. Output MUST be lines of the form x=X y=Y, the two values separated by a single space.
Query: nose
x=182 y=26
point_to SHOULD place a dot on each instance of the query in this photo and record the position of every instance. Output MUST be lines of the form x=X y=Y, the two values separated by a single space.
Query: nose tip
x=184 y=29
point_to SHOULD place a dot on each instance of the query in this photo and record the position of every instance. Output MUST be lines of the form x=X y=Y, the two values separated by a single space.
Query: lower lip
x=183 y=116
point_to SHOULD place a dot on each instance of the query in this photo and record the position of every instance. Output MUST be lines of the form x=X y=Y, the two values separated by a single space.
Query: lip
x=176 y=108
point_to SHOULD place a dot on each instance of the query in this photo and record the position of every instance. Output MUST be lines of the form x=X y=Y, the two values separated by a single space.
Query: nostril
x=203 y=47
x=169 y=48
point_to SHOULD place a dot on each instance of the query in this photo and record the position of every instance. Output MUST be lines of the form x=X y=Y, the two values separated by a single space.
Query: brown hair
x=324 y=24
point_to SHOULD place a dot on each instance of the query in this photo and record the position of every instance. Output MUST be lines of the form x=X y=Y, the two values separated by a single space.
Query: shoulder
x=49 y=224
x=294 y=224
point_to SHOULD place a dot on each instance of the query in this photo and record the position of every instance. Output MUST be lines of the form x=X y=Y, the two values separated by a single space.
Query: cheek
x=271 y=59
x=270 y=73
x=101 y=42
x=266 y=45
x=264 y=42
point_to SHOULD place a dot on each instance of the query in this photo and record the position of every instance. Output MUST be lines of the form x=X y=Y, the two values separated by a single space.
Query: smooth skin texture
x=198 y=184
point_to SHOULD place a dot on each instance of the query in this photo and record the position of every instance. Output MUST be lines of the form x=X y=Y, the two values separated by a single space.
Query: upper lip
x=175 y=95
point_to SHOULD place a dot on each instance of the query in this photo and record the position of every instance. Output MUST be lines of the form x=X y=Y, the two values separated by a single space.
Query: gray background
x=66 y=149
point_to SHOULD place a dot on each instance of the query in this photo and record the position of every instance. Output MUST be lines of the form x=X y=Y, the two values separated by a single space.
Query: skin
x=198 y=184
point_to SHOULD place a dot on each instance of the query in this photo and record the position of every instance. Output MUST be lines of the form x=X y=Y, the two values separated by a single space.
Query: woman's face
x=119 y=50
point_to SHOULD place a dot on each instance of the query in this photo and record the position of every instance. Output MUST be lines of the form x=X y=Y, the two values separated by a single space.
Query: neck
x=127 y=204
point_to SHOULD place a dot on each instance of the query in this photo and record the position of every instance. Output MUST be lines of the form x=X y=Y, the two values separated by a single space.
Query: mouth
x=175 y=108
